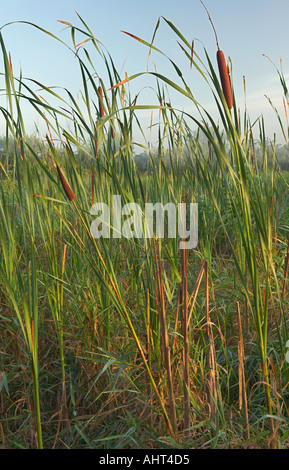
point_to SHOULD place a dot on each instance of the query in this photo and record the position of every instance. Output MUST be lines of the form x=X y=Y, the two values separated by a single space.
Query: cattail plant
x=223 y=69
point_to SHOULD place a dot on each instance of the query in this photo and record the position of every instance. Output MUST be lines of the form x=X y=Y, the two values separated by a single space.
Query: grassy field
x=136 y=343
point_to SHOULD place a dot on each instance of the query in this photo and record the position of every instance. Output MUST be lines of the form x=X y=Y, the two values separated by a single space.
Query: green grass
x=102 y=344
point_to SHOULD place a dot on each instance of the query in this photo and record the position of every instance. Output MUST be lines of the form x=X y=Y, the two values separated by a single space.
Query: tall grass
x=121 y=342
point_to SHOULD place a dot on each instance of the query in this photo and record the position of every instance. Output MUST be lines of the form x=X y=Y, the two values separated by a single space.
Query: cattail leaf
x=192 y=54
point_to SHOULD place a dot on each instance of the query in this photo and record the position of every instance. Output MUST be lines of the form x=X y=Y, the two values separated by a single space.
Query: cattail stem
x=210 y=19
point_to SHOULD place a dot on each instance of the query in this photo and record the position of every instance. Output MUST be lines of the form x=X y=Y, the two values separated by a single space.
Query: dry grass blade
x=285 y=272
x=185 y=332
x=212 y=386
x=92 y=185
x=243 y=404
x=196 y=290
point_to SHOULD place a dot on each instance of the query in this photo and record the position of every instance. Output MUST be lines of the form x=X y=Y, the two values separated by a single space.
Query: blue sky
x=246 y=30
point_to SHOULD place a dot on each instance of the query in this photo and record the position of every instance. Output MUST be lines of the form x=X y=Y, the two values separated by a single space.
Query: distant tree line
x=143 y=160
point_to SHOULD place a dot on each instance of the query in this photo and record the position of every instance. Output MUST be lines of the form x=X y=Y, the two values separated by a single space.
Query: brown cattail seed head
x=225 y=78
x=69 y=193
